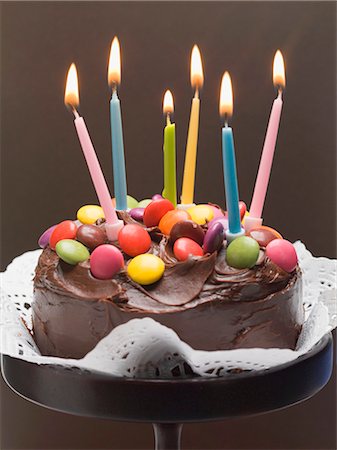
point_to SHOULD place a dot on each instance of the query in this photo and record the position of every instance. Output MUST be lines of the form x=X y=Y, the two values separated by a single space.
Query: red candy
x=242 y=209
x=64 y=230
x=134 y=240
x=184 y=247
x=105 y=261
x=155 y=211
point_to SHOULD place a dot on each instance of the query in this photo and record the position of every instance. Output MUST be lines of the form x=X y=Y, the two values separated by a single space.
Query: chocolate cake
x=209 y=304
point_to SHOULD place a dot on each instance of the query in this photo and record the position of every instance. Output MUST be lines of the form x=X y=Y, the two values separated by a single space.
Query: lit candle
x=118 y=160
x=229 y=164
x=262 y=180
x=170 y=184
x=197 y=80
x=71 y=99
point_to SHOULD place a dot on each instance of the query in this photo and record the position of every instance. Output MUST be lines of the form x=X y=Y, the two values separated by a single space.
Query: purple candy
x=44 y=238
x=157 y=197
x=214 y=237
x=137 y=214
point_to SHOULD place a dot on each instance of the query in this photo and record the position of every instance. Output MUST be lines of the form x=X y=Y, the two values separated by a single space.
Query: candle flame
x=168 y=106
x=71 y=95
x=114 y=70
x=279 y=76
x=197 y=74
x=226 y=96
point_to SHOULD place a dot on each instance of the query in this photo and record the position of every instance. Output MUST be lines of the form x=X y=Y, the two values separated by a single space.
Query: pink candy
x=222 y=220
x=105 y=261
x=282 y=253
x=217 y=212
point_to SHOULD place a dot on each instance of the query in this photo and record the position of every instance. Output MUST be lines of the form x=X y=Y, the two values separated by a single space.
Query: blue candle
x=231 y=182
x=229 y=164
x=118 y=159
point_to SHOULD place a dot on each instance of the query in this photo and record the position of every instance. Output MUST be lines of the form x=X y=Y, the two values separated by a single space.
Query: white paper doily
x=145 y=348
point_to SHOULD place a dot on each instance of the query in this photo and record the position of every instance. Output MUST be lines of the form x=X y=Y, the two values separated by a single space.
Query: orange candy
x=154 y=212
x=171 y=218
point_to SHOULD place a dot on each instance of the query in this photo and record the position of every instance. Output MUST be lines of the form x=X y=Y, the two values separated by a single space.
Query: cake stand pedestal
x=169 y=403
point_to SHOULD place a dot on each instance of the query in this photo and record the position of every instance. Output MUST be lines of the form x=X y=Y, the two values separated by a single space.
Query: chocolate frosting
x=209 y=304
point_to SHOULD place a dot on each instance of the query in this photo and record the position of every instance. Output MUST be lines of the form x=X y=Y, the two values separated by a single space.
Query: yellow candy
x=201 y=214
x=146 y=269
x=246 y=215
x=88 y=214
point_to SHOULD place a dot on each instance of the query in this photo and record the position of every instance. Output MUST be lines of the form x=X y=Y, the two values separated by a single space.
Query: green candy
x=144 y=203
x=71 y=251
x=131 y=202
x=243 y=252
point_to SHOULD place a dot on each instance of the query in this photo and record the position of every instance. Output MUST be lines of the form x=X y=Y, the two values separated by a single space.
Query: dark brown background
x=44 y=177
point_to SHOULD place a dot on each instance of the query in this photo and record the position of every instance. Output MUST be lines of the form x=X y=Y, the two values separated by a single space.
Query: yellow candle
x=197 y=79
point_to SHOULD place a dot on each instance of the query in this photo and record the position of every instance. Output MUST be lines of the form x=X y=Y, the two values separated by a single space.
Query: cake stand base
x=169 y=403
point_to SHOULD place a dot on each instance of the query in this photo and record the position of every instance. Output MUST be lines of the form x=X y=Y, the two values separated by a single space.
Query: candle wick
x=168 y=119
x=113 y=88
x=75 y=112
x=226 y=120
x=196 y=95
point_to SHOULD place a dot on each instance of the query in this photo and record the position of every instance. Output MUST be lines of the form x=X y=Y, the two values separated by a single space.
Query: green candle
x=170 y=183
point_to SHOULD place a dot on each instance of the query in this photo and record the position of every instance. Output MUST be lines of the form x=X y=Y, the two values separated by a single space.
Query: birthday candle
x=169 y=149
x=197 y=80
x=118 y=159
x=71 y=98
x=262 y=180
x=229 y=164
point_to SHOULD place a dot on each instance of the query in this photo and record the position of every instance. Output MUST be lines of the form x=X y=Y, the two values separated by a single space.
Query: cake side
x=211 y=307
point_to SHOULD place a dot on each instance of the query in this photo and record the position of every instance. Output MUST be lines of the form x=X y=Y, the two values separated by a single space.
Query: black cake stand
x=169 y=403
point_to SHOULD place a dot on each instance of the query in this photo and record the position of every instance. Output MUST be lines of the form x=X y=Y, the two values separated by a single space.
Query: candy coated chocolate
x=188 y=229
x=45 y=236
x=263 y=235
x=134 y=240
x=64 y=230
x=216 y=211
x=71 y=251
x=222 y=220
x=105 y=261
x=131 y=202
x=201 y=214
x=88 y=214
x=171 y=218
x=91 y=236
x=137 y=214
x=242 y=253
x=214 y=238
x=155 y=211
x=146 y=269
x=157 y=197
x=144 y=203
x=242 y=209
x=282 y=253
x=185 y=247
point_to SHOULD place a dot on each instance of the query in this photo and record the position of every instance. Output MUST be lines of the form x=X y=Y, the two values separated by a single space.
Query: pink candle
x=262 y=180
x=113 y=224
x=266 y=162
